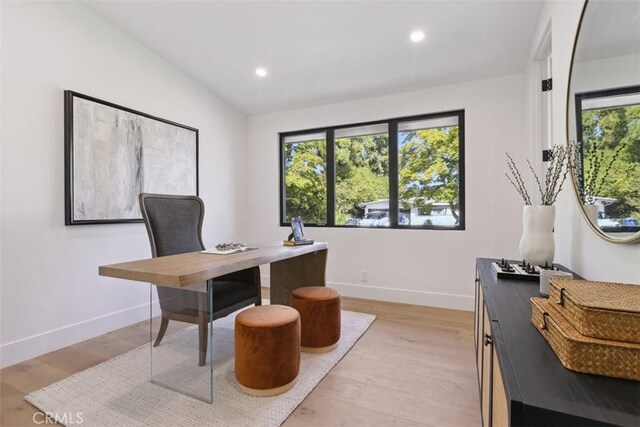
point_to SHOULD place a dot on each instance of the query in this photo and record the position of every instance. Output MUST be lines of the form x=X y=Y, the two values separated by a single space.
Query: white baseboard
x=404 y=296
x=37 y=345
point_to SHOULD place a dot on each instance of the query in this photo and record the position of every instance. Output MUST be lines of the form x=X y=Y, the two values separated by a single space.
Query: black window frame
x=594 y=94
x=393 y=171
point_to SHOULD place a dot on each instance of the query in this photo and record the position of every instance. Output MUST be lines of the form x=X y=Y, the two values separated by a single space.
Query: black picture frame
x=128 y=125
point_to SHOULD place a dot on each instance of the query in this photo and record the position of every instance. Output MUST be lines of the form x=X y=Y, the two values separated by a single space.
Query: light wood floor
x=414 y=366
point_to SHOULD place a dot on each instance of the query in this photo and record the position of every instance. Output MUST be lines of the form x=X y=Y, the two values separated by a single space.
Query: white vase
x=592 y=213
x=537 y=246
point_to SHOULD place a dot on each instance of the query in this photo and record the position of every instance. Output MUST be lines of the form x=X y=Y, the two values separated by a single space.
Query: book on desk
x=296 y=238
x=297 y=242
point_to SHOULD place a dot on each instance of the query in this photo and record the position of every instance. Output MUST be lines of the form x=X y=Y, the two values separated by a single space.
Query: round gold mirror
x=603 y=117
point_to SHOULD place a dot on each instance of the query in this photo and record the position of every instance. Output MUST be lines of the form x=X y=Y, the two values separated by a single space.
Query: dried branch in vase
x=554 y=178
x=516 y=180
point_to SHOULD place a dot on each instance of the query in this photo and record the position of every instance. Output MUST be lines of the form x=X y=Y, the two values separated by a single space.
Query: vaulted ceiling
x=318 y=52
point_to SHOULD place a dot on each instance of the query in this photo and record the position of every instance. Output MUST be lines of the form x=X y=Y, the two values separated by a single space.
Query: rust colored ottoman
x=319 y=309
x=267 y=345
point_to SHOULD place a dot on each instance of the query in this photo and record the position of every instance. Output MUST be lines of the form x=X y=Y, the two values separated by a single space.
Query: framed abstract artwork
x=113 y=153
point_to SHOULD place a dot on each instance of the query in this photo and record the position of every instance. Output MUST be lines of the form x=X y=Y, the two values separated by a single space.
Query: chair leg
x=203 y=332
x=163 y=329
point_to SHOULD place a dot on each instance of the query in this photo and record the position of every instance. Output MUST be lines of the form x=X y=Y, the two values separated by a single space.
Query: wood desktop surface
x=182 y=270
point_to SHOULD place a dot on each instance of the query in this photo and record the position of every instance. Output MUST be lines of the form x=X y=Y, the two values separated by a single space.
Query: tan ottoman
x=319 y=309
x=267 y=342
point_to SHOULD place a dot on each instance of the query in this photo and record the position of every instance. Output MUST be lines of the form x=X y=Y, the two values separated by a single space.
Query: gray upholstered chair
x=174 y=225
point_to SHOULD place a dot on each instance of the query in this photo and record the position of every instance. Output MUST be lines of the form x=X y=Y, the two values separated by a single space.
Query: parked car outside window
x=375 y=219
x=629 y=222
x=353 y=221
x=607 y=222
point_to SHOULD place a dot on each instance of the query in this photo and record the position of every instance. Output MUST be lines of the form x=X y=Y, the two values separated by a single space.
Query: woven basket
x=610 y=311
x=584 y=354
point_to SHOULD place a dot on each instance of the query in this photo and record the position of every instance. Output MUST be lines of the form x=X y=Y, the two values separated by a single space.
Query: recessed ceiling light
x=261 y=72
x=417 y=36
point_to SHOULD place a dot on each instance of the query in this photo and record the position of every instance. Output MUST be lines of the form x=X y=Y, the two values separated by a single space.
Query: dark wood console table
x=522 y=382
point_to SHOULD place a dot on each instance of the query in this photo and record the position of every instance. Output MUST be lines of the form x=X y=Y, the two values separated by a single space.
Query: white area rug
x=119 y=393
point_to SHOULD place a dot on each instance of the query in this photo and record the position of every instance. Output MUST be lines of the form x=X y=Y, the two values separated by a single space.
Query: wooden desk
x=291 y=268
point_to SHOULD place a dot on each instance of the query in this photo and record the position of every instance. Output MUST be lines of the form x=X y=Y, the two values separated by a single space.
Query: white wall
x=577 y=247
x=51 y=293
x=1 y=198
x=425 y=267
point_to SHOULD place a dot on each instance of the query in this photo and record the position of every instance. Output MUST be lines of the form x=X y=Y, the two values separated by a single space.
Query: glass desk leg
x=182 y=361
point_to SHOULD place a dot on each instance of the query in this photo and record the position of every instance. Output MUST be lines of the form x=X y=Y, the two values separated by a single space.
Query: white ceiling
x=323 y=52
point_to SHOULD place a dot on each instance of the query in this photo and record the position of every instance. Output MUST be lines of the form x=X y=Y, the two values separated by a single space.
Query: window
x=305 y=177
x=429 y=172
x=398 y=173
x=362 y=171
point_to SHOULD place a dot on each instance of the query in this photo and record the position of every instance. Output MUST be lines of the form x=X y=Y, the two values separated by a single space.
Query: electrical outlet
x=364 y=275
